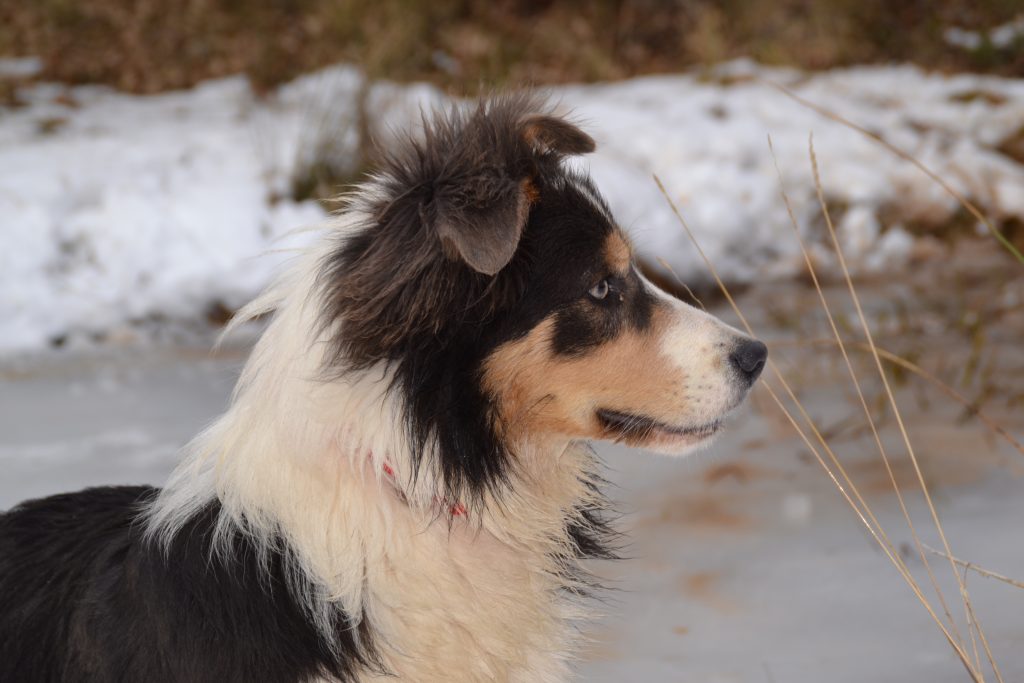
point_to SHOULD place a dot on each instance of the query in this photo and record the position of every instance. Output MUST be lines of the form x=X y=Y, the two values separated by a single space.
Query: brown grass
x=468 y=45
x=839 y=477
x=971 y=651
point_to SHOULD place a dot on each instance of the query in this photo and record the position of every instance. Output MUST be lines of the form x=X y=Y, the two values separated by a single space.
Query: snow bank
x=708 y=142
x=117 y=208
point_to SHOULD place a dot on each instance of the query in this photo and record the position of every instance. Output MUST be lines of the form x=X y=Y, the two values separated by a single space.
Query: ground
x=472 y=45
x=744 y=562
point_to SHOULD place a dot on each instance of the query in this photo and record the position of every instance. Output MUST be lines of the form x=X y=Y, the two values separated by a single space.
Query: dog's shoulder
x=86 y=595
x=46 y=540
x=49 y=551
x=78 y=511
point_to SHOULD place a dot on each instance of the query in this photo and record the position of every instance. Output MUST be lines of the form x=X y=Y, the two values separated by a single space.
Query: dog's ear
x=481 y=219
x=551 y=134
x=482 y=224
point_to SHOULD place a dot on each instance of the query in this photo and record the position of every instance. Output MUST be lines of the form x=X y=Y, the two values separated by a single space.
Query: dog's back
x=52 y=551
x=85 y=597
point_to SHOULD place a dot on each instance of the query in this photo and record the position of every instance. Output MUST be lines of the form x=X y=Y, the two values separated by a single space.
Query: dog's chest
x=458 y=605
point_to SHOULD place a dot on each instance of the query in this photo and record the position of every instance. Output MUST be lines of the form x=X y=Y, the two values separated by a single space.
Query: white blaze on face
x=696 y=346
x=677 y=389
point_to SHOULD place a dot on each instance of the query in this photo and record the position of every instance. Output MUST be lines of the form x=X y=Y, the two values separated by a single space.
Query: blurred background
x=158 y=159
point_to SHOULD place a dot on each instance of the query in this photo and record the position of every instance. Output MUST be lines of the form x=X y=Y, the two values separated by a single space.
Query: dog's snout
x=748 y=358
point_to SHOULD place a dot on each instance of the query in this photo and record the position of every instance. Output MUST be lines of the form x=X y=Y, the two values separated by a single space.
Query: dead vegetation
x=904 y=473
x=468 y=45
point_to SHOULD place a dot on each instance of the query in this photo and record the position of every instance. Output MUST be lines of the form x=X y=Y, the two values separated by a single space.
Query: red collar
x=455 y=509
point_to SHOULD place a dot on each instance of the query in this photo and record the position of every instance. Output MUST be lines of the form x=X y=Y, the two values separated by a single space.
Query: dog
x=402 y=487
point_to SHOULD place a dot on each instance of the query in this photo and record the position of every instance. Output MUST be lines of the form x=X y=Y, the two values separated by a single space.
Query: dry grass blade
x=916 y=369
x=972 y=626
x=959 y=197
x=860 y=393
x=965 y=597
x=665 y=264
x=975 y=568
x=862 y=515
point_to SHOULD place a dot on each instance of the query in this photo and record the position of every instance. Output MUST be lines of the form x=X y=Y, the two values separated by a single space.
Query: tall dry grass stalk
x=970 y=655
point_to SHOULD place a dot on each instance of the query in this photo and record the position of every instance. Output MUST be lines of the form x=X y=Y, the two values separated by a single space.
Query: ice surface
x=744 y=565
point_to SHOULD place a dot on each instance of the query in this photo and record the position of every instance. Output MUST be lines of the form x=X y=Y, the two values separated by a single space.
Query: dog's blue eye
x=600 y=290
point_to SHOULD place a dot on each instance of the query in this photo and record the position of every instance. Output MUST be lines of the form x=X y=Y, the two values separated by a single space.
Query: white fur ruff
x=480 y=597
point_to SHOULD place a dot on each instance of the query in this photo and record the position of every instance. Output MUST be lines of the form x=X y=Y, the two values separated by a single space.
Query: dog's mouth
x=641 y=428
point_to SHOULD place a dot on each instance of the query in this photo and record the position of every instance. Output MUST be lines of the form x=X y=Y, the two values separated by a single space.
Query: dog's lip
x=642 y=426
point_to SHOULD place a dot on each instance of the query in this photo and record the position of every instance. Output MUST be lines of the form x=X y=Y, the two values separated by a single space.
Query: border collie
x=401 y=488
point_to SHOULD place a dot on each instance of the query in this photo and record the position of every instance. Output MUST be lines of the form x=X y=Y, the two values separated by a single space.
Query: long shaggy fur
x=400 y=488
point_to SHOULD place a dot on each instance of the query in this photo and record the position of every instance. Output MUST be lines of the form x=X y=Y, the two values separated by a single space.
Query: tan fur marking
x=530 y=191
x=618 y=253
x=541 y=392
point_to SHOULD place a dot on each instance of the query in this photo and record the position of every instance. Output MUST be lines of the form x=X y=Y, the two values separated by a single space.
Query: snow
x=1000 y=37
x=20 y=67
x=116 y=209
x=708 y=144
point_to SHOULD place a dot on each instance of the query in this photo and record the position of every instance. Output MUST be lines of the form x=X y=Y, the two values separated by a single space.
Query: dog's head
x=492 y=279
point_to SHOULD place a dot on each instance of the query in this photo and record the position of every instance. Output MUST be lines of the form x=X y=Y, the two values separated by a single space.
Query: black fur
x=85 y=599
x=409 y=300
x=590 y=323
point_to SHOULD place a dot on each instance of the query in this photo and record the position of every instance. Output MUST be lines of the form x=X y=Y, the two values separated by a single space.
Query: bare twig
x=910 y=366
x=892 y=399
x=666 y=266
x=975 y=568
x=856 y=382
x=885 y=545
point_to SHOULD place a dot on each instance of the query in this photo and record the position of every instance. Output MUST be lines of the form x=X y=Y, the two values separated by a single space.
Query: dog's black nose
x=748 y=358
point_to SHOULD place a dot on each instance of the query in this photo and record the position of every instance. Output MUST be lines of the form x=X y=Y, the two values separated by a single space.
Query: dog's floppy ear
x=482 y=224
x=480 y=219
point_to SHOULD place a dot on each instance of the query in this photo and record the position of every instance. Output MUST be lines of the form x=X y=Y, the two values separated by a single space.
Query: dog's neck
x=394 y=549
x=383 y=546
x=305 y=461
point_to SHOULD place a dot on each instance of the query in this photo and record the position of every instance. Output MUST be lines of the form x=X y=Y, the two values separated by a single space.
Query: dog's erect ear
x=484 y=228
x=551 y=134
